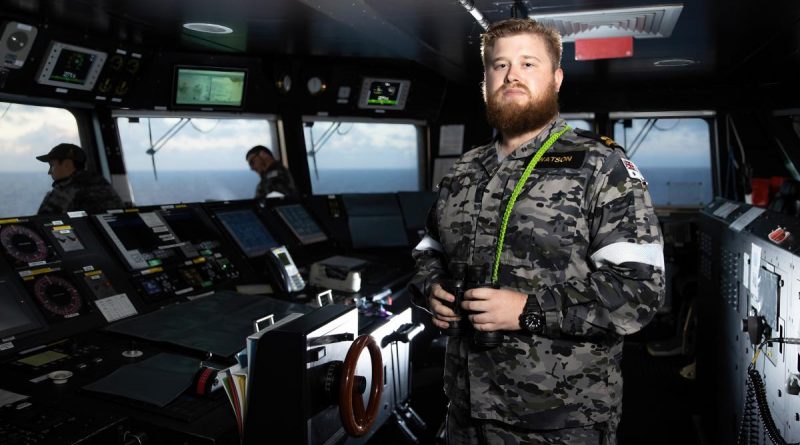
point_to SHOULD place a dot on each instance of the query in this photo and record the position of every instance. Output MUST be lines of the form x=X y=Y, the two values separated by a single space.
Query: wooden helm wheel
x=357 y=420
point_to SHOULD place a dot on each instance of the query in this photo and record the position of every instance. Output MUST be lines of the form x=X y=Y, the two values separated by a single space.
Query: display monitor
x=384 y=94
x=190 y=227
x=143 y=240
x=301 y=223
x=247 y=230
x=71 y=66
x=415 y=207
x=17 y=315
x=375 y=220
x=209 y=87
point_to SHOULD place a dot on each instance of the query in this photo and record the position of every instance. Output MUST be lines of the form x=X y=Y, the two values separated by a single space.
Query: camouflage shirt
x=83 y=190
x=583 y=239
x=276 y=179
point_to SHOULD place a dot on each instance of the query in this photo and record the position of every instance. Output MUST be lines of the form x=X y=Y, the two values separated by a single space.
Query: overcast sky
x=220 y=144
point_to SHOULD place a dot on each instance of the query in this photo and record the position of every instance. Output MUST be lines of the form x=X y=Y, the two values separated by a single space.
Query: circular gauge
x=57 y=295
x=316 y=86
x=23 y=244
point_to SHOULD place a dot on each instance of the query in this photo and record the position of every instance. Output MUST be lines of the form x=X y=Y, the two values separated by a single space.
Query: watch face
x=533 y=323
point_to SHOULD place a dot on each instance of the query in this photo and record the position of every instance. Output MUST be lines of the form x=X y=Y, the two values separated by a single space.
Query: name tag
x=571 y=159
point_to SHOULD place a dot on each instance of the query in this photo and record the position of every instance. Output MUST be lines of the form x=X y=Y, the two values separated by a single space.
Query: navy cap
x=64 y=151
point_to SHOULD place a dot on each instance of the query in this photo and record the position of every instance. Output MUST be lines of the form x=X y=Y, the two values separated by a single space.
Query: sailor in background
x=275 y=178
x=75 y=188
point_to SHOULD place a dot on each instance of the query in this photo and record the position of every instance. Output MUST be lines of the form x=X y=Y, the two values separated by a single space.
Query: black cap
x=64 y=151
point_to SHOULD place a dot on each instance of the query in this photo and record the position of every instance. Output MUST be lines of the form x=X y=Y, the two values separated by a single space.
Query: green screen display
x=383 y=93
x=208 y=88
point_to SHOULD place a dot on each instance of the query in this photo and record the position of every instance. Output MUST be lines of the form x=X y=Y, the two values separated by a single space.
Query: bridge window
x=27 y=131
x=362 y=157
x=674 y=155
x=172 y=159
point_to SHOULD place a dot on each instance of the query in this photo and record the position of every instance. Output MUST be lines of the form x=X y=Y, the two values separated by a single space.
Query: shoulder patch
x=605 y=140
x=633 y=172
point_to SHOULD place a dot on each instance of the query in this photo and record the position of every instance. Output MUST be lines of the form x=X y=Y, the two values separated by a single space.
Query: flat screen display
x=384 y=94
x=17 y=316
x=189 y=227
x=301 y=223
x=143 y=240
x=70 y=66
x=248 y=231
x=207 y=87
x=375 y=220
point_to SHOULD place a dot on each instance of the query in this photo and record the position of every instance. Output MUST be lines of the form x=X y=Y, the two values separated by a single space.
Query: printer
x=338 y=273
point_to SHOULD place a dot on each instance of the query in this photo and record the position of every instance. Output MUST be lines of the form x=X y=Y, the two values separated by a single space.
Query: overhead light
x=208 y=28
x=665 y=63
x=469 y=5
x=645 y=22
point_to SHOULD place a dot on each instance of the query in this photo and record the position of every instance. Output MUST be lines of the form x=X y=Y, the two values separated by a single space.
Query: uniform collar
x=529 y=148
x=68 y=179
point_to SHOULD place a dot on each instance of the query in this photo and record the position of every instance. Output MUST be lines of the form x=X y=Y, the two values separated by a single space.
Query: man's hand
x=494 y=309
x=442 y=312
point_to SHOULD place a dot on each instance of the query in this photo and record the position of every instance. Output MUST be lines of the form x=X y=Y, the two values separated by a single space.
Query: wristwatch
x=532 y=319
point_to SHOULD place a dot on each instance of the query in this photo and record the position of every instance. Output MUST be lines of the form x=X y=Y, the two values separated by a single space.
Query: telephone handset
x=288 y=277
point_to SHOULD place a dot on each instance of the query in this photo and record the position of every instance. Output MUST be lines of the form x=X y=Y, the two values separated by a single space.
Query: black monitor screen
x=204 y=87
x=71 y=66
x=415 y=207
x=301 y=223
x=375 y=220
x=142 y=239
x=16 y=316
x=248 y=231
x=190 y=227
x=384 y=94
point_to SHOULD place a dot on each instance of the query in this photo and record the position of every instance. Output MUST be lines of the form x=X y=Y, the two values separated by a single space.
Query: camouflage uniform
x=584 y=240
x=83 y=190
x=276 y=179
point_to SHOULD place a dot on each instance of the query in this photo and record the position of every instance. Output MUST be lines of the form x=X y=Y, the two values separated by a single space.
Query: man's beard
x=514 y=119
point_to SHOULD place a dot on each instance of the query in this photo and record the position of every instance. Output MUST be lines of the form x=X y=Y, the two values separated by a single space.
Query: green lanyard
x=517 y=190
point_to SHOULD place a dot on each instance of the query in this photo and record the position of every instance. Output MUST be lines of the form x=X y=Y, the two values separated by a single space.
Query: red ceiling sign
x=608 y=48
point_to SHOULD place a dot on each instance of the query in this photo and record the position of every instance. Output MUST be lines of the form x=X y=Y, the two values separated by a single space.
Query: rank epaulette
x=605 y=140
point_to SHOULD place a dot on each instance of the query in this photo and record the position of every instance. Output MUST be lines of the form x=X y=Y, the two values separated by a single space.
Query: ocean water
x=22 y=192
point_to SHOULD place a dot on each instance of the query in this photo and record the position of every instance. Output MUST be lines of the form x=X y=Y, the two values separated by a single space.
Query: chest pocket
x=544 y=224
x=457 y=214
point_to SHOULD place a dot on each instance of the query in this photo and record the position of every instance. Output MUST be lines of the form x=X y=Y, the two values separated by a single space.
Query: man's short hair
x=512 y=27
x=256 y=150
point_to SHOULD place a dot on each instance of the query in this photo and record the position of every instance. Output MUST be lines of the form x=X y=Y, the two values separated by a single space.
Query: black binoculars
x=462 y=278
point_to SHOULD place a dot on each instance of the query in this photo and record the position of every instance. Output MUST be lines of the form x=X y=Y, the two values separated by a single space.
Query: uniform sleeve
x=429 y=259
x=55 y=201
x=280 y=180
x=97 y=198
x=626 y=285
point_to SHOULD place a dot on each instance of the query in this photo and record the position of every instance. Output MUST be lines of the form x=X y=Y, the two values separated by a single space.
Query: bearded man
x=564 y=224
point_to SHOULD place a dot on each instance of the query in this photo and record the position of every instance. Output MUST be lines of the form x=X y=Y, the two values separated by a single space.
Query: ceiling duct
x=644 y=22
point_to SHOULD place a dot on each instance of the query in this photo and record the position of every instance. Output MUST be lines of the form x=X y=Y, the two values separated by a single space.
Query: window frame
x=709 y=116
x=421 y=127
x=276 y=138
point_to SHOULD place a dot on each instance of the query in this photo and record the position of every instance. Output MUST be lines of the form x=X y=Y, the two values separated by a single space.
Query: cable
x=757 y=398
